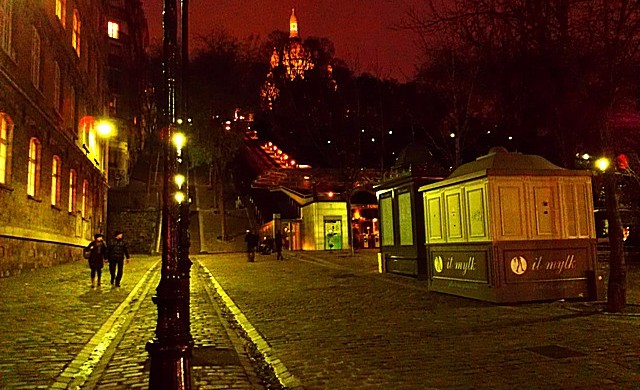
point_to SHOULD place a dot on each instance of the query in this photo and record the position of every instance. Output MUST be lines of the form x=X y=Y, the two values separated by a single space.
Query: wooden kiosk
x=510 y=227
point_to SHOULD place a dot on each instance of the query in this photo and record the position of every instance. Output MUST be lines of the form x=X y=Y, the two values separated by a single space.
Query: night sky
x=358 y=28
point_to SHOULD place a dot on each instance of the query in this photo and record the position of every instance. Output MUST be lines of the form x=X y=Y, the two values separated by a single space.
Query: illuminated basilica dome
x=293 y=58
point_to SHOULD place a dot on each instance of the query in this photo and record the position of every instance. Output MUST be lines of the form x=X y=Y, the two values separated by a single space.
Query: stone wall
x=18 y=255
x=140 y=228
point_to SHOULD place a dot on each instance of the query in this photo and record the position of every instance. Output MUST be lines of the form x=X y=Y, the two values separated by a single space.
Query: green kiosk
x=509 y=228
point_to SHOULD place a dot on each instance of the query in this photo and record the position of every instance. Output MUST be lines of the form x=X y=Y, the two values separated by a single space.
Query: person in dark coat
x=278 y=243
x=117 y=253
x=251 y=240
x=97 y=254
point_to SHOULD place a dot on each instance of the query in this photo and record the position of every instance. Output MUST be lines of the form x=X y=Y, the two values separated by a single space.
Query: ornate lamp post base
x=171 y=349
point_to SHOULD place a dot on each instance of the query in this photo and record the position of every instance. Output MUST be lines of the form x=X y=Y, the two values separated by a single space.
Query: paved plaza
x=317 y=320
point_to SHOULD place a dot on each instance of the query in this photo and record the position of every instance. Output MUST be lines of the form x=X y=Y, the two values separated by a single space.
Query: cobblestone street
x=321 y=320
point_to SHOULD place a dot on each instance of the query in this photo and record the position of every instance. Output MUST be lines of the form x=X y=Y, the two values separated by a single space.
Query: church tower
x=293 y=59
x=293 y=24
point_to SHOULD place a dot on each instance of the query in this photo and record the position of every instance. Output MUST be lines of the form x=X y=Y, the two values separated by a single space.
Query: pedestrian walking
x=117 y=252
x=251 y=240
x=96 y=253
x=278 y=243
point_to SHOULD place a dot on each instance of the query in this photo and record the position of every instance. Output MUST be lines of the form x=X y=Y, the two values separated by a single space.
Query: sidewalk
x=366 y=261
x=57 y=332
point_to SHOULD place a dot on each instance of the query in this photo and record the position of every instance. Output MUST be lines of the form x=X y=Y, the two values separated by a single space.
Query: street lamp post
x=171 y=349
x=106 y=130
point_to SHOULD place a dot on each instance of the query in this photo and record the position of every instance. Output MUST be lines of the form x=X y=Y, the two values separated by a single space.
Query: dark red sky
x=358 y=28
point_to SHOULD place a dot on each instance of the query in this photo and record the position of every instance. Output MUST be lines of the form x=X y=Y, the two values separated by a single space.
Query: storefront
x=510 y=227
x=401 y=214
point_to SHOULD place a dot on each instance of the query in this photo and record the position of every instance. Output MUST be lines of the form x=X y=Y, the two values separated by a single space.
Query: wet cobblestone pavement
x=316 y=320
x=335 y=323
x=58 y=332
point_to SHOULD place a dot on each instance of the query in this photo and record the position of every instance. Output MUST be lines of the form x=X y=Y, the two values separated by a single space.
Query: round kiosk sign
x=518 y=265
x=437 y=264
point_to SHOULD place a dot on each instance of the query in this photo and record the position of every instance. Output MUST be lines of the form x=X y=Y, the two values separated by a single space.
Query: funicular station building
x=312 y=207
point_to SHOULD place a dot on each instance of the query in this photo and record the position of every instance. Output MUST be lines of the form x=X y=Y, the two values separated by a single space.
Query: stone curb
x=83 y=365
x=286 y=379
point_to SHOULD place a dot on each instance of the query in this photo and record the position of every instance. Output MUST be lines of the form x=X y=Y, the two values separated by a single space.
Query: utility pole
x=171 y=349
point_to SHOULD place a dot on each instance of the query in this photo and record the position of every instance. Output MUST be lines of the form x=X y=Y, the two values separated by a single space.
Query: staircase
x=207 y=222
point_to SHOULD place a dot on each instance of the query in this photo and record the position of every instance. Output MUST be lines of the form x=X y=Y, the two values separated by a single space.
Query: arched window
x=61 y=6
x=75 y=34
x=6 y=127
x=72 y=190
x=85 y=198
x=113 y=29
x=56 y=173
x=33 y=178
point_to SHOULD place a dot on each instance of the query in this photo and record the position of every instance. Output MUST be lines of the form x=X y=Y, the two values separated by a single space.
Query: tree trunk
x=617 y=290
x=350 y=223
x=210 y=175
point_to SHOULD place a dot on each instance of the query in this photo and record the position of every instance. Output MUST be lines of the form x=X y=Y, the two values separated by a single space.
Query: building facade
x=127 y=82
x=53 y=153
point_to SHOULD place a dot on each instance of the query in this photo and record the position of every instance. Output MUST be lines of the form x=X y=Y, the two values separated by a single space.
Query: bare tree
x=561 y=68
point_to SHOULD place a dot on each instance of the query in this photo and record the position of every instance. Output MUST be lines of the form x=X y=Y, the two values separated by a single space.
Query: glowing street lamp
x=179 y=197
x=179 y=179
x=105 y=128
x=602 y=163
x=179 y=140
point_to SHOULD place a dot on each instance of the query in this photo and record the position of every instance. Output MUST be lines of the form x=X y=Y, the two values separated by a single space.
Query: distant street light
x=602 y=163
x=105 y=128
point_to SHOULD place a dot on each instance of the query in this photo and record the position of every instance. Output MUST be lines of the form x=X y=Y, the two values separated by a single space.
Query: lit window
x=56 y=87
x=72 y=190
x=61 y=6
x=33 y=178
x=35 y=58
x=56 y=169
x=5 y=147
x=5 y=24
x=113 y=29
x=75 y=34
x=85 y=195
